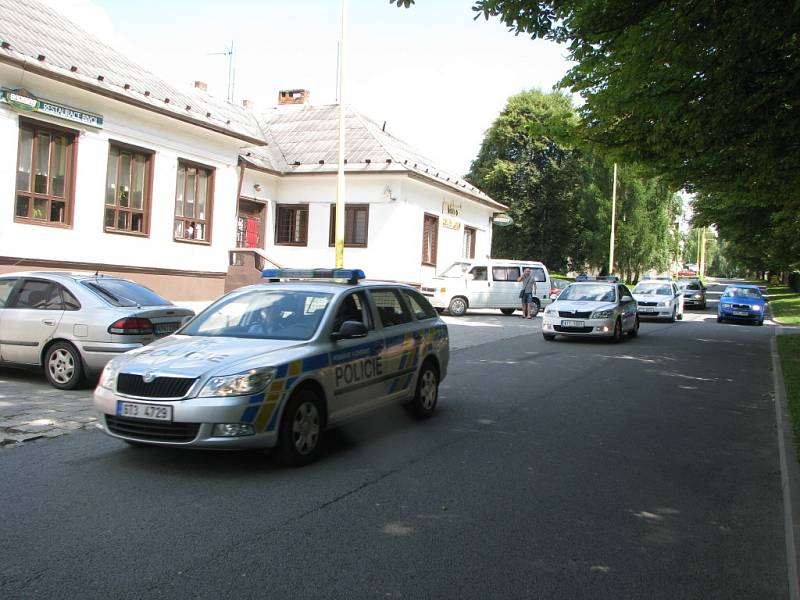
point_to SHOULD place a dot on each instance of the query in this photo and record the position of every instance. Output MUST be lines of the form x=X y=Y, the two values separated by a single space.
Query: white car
x=660 y=299
x=599 y=307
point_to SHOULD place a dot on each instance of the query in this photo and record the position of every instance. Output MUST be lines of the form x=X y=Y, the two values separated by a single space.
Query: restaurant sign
x=24 y=100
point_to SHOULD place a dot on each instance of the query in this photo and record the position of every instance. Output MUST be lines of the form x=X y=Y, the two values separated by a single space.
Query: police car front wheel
x=427 y=393
x=301 y=428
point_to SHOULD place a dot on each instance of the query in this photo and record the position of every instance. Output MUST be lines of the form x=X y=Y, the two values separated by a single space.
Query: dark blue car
x=741 y=302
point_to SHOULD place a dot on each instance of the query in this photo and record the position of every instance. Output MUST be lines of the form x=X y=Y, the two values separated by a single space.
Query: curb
x=790 y=472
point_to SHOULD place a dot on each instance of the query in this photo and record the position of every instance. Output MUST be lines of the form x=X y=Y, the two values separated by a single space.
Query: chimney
x=293 y=97
x=201 y=85
x=248 y=104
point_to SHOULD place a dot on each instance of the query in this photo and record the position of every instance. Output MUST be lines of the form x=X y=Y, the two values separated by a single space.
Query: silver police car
x=597 y=306
x=275 y=364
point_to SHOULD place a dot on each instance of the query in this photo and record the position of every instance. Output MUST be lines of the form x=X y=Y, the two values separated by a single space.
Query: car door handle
x=49 y=321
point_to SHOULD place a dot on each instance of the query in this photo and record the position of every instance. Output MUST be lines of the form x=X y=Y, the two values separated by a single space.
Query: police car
x=592 y=306
x=275 y=364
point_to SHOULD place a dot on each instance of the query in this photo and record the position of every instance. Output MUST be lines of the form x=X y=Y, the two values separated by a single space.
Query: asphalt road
x=567 y=469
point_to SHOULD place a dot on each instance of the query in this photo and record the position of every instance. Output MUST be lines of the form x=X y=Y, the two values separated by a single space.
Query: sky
x=437 y=77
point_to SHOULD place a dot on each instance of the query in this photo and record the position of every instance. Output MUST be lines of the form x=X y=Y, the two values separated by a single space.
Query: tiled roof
x=43 y=40
x=307 y=140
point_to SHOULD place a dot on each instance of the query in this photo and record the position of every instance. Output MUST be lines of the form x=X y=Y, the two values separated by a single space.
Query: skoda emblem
x=148 y=377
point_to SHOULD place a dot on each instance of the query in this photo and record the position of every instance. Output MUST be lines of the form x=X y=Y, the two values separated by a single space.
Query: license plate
x=741 y=313
x=166 y=328
x=647 y=309
x=139 y=410
x=572 y=323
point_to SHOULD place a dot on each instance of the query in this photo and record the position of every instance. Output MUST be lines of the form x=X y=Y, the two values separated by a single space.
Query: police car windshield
x=653 y=289
x=263 y=314
x=455 y=270
x=588 y=293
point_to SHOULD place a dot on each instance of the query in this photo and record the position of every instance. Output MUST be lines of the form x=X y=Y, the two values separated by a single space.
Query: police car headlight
x=602 y=314
x=238 y=384
x=665 y=303
x=108 y=378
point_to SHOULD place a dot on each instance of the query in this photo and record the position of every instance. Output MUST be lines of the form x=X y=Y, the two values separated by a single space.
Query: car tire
x=301 y=429
x=635 y=331
x=537 y=306
x=703 y=305
x=680 y=317
x=508 y=311
x=760 y=321
x=426 y=393
x=458 y=306
x=548 y=337
x=719 y=319
x=672 y=318
x=62 y=366
x=617 y=335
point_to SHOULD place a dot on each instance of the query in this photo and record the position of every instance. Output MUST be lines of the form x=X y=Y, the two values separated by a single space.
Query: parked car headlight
x=238 y=384
x=697 y=296
x=602 y=314
x=108 y=378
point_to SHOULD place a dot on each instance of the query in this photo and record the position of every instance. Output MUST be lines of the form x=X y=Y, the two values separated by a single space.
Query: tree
x=704 y=93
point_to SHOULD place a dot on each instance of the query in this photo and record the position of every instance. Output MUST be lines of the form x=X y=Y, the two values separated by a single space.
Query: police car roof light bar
x=351 y=275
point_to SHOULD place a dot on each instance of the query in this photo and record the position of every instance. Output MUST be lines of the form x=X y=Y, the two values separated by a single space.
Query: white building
x=107 y=167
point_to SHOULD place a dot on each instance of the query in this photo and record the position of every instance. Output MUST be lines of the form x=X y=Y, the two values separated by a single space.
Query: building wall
x=85 y=243
x=394 y=249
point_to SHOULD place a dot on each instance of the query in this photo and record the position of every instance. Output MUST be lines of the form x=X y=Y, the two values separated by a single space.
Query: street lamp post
x=340 y=185
x=613 y=219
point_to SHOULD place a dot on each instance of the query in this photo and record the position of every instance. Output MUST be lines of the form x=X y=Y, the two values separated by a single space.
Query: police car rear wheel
x=427 y=393
x=301 y=428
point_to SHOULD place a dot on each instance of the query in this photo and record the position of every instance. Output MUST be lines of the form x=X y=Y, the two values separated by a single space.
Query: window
x=44 y=175
x=430 y=236
x=420 y=306
x=505 y=273
x=356 y=225
x=479 y=274
x=538 y=274
x=469 y=242
x=6 y=285
x=291 y=224
x=128 y=185
x=121 y=292
x=353 y=308
x=193 y=202
x=390 y=309
x=39 y=295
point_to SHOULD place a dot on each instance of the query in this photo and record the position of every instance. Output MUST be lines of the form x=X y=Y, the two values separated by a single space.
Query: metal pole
x=613 y=220
x=340 y=186
x=702 y=265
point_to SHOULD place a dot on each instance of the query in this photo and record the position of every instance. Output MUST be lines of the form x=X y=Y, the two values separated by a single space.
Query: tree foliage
x=702 y=92
x=560 y=196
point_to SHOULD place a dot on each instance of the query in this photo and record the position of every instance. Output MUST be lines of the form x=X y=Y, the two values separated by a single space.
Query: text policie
x=358 y=371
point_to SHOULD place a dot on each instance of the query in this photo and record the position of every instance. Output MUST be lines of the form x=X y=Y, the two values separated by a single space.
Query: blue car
x=741 y=302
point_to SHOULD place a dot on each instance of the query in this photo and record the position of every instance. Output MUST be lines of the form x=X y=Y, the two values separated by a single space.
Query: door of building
x=250 y=224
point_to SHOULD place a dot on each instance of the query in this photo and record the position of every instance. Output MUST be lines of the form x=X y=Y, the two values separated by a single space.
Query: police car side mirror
x=350 y=330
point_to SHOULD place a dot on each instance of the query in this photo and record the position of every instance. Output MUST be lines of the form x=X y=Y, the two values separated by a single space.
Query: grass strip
x=789 y=351
x=785 y=305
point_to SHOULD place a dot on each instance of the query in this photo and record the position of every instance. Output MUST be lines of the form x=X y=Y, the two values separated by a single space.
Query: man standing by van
x=527 y=293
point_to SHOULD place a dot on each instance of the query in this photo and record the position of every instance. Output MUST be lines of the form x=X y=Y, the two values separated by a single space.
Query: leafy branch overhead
x=701 y=92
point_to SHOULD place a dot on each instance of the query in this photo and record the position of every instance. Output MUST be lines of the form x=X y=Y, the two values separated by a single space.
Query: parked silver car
x=72 y=324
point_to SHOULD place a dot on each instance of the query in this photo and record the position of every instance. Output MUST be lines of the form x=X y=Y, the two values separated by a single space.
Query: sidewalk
x=31 y=409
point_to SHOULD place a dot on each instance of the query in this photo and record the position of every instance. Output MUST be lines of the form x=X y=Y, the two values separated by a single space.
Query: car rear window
x=420 y=306
x=119 y=292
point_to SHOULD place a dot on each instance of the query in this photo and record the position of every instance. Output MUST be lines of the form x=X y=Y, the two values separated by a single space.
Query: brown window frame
x=147 y=191
x=207 y=222
x=294 y=208
x=470 y=239
x=350 y=211
x=430 y=223
x=70 y=163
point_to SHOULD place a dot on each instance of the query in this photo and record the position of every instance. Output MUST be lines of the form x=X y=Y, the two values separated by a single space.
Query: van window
x=479 y=274
x=538 y=274
x=505 y=273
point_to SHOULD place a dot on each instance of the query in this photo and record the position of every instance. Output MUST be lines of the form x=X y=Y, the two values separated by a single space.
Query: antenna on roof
x=231 y=68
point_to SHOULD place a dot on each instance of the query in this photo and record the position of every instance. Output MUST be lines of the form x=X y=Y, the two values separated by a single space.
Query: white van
x=488 y=283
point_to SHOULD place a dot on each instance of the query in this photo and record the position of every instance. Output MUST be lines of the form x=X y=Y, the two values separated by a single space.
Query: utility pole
x=613 y=220
x=231 y=69
x=340 y=186
x=702 y=265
